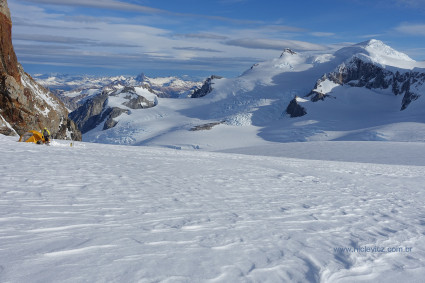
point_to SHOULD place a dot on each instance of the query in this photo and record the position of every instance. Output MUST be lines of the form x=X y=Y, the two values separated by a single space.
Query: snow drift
x=102 y=213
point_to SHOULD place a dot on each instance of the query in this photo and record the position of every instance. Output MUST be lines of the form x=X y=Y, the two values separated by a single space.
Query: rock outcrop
x=294 y=109
x=114 y=100
x=359 y=73
x=24 y=104
x=287 y=51
x=91 y=113
x=206 y=87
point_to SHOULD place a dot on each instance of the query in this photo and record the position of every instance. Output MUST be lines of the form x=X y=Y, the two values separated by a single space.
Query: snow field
x=101 y=213
x=252 y=107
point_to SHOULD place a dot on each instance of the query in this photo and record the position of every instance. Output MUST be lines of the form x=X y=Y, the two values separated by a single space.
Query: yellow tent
x=32 y=136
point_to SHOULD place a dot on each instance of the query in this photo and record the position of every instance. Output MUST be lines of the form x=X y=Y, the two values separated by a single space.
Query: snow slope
x=251 y=109
x=103 y=213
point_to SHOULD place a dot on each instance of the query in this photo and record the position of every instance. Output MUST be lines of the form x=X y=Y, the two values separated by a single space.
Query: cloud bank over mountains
x=126 y=37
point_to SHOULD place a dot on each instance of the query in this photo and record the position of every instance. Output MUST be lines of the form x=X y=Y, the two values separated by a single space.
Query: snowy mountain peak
x=141 y=78
x=287 y=51
x=377 y=52
x=346 y=95
x=372 y=42
x=378 y=48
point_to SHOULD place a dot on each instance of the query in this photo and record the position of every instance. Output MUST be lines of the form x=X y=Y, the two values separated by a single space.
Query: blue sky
x=200 y=38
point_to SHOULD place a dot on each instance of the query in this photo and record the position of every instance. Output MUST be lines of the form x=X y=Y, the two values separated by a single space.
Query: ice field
x=107 y=213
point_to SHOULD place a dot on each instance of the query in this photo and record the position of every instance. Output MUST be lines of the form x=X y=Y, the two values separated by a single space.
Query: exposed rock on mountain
x=134 y=101
x=361 y=72
x=24 y=104
x=168 y=87
x=112 y=113
x=294 y=109
x=207 y=126
x=206 y=87
x=90 y=114
x=74 y=90
x=110 y=104
x=358 y=90
x=287 y=51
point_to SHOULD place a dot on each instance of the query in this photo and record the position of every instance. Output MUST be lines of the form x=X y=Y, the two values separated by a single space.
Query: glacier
x=349 y=212
x=227 y=187
x=364 y=92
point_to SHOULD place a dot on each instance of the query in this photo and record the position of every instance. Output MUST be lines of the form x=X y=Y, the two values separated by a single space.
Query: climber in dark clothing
x=46 y=135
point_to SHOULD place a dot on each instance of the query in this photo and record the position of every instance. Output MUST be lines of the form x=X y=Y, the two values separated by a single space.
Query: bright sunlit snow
x=228 y=187
x=102 y=213
x=251 y=108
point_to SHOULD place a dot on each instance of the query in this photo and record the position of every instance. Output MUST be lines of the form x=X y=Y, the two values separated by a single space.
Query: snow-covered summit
x=380 y=49
x=355 y=93
x=287 y=51
x=375 y=51
x=74 y=90
x=70 y=85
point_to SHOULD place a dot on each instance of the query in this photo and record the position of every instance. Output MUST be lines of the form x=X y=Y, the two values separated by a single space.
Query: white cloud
x=189 y=48
x=129 y=7
x=202 y=36
x=322 y=34
x=103 y=4
x=274 y=44
x=127 y=42
x=282 y=28
x=411 y=29
x=411 y=3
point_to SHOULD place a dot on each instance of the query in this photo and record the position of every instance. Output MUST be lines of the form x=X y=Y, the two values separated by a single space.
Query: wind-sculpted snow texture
x=102 y=213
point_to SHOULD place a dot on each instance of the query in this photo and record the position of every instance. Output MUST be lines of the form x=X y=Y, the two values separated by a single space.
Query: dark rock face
x=96 y=110
x=405 y=84
x=358 y=73
x=206 y=87
x=253 y=66
x=288 y=51
x=361 y=74
x=135 y=101
x=91 y=113
x=69 y=130
x=316 y=96
x=139 y=102
x=295 y=110
x=5 y=128
x=207 y=126
x=24 y=104
x=112 y=113
x=9 y=62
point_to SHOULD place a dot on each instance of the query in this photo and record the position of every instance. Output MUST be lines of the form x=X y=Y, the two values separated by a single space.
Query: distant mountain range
x=73 y=89
x=367 y=91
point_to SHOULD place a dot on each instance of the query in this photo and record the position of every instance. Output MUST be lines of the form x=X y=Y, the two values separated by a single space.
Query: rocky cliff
x=113 y=101
x=358 y=72
x=24 y=104
x=206 y=87
x=294 y=109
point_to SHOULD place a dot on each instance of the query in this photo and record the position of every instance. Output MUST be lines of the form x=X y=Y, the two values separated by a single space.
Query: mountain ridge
x=363 y=87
